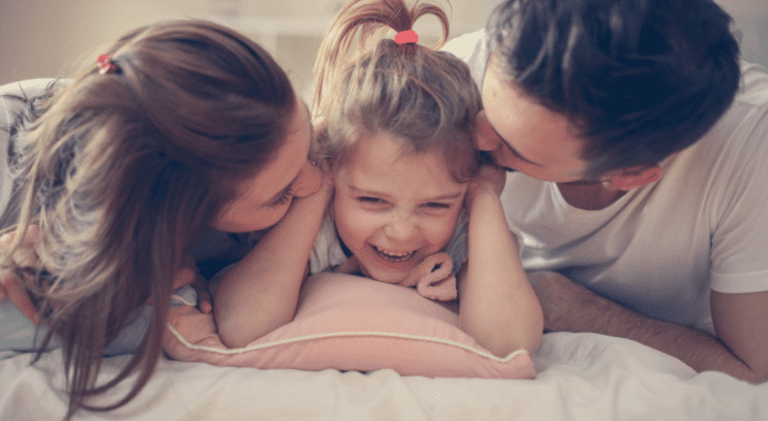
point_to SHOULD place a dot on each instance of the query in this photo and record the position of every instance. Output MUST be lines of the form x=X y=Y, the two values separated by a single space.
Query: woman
x=180 y=128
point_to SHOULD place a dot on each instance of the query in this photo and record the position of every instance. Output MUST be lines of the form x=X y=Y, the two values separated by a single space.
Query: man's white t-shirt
x=662 y=247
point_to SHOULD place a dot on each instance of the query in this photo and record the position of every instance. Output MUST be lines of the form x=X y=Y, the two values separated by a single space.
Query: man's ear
x=484 y=136
x=630 y=178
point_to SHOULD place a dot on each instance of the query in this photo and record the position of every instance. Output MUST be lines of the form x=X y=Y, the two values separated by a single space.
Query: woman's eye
x=285 y=198
x=437 y=205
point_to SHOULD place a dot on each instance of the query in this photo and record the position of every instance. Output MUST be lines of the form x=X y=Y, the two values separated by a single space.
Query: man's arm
x=741 y=321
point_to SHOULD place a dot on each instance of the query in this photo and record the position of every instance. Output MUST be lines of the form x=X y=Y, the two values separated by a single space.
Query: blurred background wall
x=48 y=38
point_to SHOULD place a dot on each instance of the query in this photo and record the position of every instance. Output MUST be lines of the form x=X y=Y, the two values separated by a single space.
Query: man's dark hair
x=639 y=79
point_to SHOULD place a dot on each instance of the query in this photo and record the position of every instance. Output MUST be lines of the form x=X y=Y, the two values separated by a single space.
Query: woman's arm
x=260 y=292
x=497 y=304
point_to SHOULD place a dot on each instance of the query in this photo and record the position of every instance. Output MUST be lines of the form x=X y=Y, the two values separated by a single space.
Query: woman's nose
x=308 y=182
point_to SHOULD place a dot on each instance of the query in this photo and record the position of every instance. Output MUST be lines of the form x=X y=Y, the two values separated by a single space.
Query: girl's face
x=263 y=200
x=392 y=210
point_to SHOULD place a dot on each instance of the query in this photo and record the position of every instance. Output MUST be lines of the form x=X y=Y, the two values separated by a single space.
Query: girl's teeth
x=394 y=255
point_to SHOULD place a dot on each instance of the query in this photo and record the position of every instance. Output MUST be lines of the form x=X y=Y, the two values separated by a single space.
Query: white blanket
x=586 y=377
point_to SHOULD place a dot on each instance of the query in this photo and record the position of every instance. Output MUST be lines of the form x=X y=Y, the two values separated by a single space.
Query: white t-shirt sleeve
x=470 y=48
x=740 y=240
x=326 y=251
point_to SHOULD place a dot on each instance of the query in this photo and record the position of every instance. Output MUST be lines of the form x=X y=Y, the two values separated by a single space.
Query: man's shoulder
x=744 y=126
x=464 y=46
x=754 y=85
x=471 y=49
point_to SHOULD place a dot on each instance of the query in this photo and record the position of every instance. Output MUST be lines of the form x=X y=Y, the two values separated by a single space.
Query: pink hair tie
x=106 y=65
x=407 y=37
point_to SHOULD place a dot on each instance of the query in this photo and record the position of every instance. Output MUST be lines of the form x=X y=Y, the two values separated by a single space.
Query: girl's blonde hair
x=366 y=83
x=121 y=172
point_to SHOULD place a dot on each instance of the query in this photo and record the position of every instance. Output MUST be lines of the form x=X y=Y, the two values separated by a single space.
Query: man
x=638 y=153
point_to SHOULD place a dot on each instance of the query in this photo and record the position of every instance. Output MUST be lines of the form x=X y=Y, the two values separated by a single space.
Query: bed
x=580 y=377
x=577 y=376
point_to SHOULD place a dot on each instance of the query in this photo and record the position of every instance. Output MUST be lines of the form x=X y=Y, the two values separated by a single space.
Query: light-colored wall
x=45 y=38
x=48 y=38
x=751 y=18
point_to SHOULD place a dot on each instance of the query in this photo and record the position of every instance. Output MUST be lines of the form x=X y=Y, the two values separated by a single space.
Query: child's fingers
x=185 y=276
x=190 y=275
x=204 y=302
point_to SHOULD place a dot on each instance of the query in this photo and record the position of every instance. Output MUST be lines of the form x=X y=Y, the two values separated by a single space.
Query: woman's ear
x=484 y=136
x=630 y=178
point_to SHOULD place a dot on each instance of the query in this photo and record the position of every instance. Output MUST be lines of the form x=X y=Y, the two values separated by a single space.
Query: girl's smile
x=393 y=209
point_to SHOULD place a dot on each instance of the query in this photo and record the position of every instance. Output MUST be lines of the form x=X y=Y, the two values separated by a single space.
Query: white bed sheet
x=586 y=377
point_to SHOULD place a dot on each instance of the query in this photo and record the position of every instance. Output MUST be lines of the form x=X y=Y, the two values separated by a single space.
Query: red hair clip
x=106 y=65
x=407 y=37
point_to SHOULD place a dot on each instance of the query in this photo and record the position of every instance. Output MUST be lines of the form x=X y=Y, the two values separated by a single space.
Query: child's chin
x=388 y=277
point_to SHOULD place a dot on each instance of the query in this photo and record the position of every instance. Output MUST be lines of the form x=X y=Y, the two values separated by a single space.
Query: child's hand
x=25 y=256
x=490 y=179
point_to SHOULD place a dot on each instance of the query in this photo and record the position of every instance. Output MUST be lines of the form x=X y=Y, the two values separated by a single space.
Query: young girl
x=180 y=130
x=398 y=145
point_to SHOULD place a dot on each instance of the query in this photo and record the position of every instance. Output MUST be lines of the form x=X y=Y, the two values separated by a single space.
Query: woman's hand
x=24 y=256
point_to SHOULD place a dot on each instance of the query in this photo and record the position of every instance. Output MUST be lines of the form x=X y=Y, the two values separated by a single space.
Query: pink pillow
x=347 y=322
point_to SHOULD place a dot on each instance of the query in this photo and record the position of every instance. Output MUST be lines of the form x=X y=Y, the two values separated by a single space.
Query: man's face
x=524 y=136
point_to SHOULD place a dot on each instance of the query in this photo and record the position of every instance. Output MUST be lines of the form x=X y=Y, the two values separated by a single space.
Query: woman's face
x=263 y=200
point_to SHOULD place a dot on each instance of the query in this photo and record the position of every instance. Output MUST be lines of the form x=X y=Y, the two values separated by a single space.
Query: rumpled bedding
x=581 y=376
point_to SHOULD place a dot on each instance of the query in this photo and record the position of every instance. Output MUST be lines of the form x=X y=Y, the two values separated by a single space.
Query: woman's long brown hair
x=123 y=169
